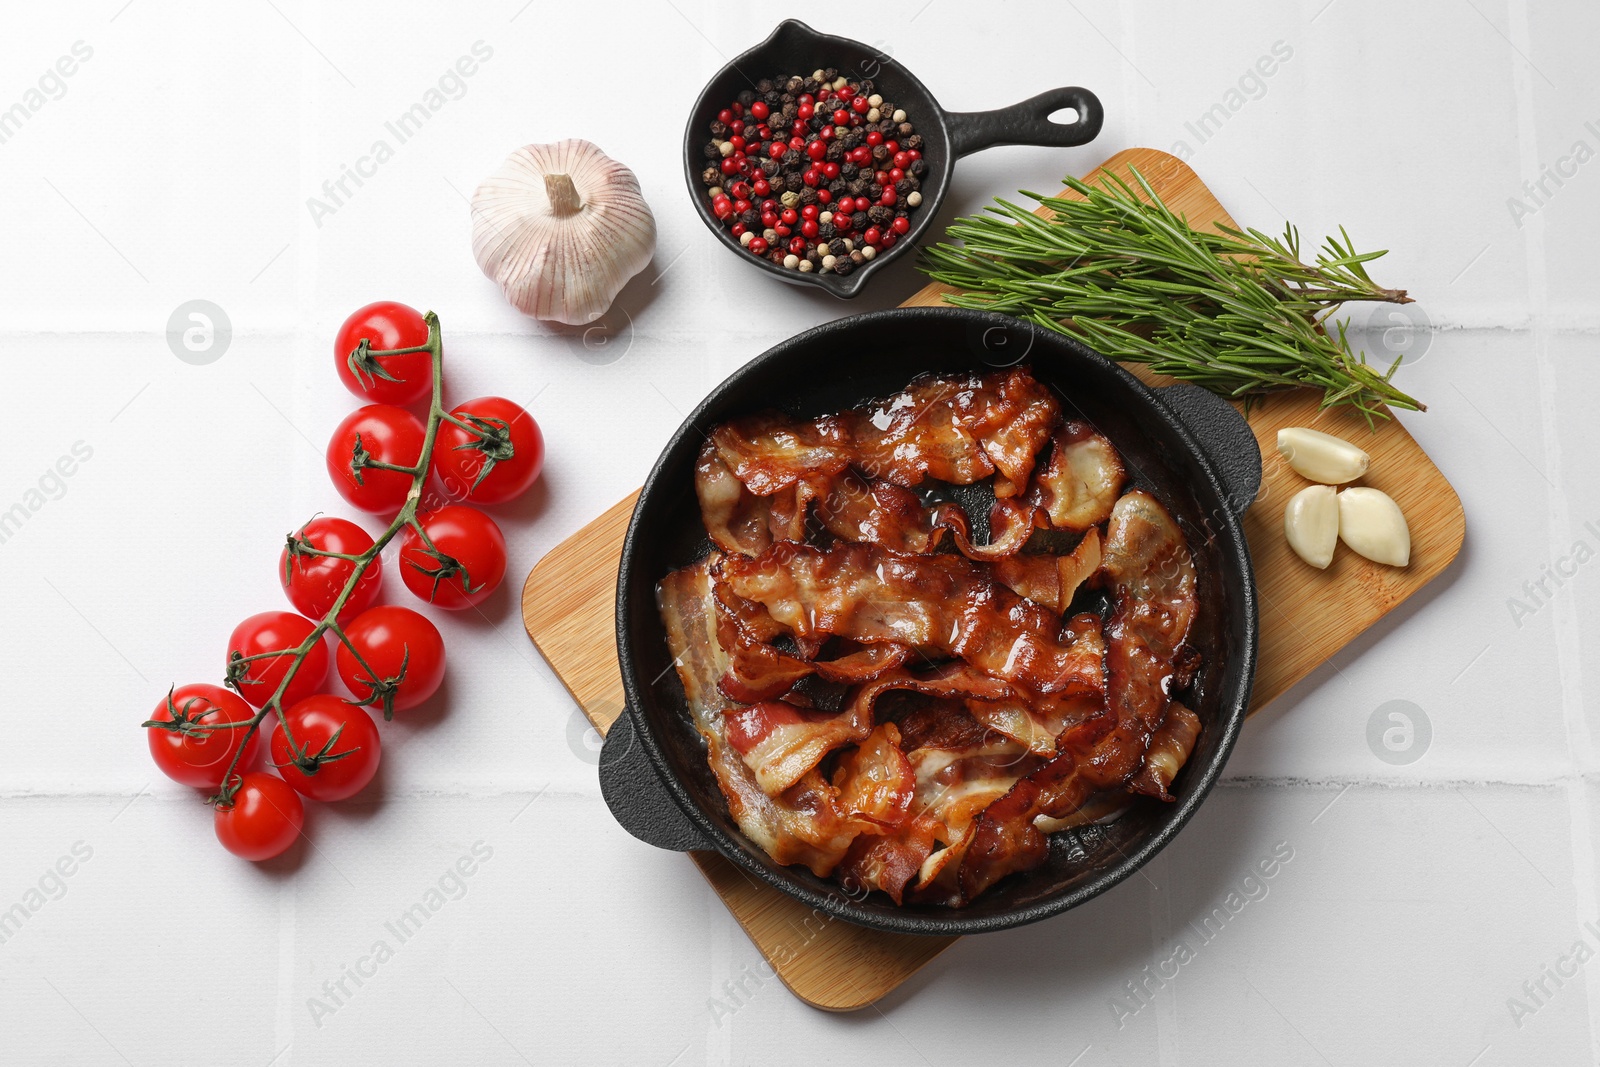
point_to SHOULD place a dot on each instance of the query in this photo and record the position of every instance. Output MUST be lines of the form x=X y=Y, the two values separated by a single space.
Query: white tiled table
x=176 y=163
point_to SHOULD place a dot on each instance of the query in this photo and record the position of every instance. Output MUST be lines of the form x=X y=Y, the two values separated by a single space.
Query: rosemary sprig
x=1235 y=311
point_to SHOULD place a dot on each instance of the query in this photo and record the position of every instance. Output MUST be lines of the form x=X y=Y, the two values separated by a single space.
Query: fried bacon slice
x=1152 y=577
x=961 y=768
x=801 y=825
x=1033 y=721
x=757 y=477
x=958 y=428
x=1049 y=579
x=855 y=508
x=781 y=742
x=1078 y=485
x=1168 y=752
x=941 y=605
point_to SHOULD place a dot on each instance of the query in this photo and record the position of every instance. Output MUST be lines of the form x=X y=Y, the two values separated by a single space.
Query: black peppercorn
x=829 y=73
x=711 y=151
x=835 y=152
x=838 y=187
x=848 y=171
x=810 y=85
x=912 y=143
x=764 y=86
x=843 y=265
x=857 y=188
x=746 y=98
x=881 y=214
x=874 y=192
x=880 y=153
x=769 y=166
x=793 y=182
x=919 y=167
x=787 y=100
x=827 y=231
x=905 y=129
x=718 y=130
x=808 y=195
x=774 y=99
x=751 y=219
x=792 y=159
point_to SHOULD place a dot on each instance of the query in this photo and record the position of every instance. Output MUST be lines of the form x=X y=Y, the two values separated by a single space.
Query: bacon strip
x=1079 y=483
x=1168 y=752
x=942 y=605
x=802 y=825
x=854 y=508
x=1052 y=580
x=1152 y=577
x=757 y=477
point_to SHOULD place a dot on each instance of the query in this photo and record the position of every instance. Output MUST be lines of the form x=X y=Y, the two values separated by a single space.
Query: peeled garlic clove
x=1321 y=457
x=562 y=227
x=1370 y=522
x=1311 y=523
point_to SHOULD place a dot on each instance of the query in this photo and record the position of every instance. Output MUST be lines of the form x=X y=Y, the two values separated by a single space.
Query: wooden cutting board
x=1306 y=617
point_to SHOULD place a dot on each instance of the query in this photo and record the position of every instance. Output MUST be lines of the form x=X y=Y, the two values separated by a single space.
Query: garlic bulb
x=1321 y=457
x=1371 y=523
x=1311 y=524
x=562 y=227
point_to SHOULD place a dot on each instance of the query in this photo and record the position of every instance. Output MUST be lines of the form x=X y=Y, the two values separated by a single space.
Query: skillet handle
x=1228 y=441
x=1027 y=123
x=636 y=797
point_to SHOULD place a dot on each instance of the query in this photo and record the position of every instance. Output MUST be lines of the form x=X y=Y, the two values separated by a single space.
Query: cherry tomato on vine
x=338 y=740
x=402 y=648
x=385 y=325
x=272 y=631
x=314 y=582
x=466 y=562
x=497 y=462
x=201 y=758
x=263 y=818
x=384 y=434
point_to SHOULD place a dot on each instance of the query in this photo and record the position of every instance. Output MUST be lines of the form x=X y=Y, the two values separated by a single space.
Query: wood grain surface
x=1306 y=616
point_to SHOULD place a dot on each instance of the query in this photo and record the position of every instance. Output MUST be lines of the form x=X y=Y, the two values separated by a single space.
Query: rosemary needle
x=1233 y=310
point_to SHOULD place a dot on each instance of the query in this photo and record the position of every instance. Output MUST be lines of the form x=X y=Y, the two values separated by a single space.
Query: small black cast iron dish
x=795 y=48
x=1191 y=449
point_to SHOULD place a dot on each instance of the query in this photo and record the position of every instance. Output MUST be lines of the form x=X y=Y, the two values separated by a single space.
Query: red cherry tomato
x=386 y=434
x=314 y=582
x=402 y=648
x=339 y=740
x=201 y=758
x=268 y=632
x=263 y=818
x=465 y=564
x=495 y=464
x=385 y=326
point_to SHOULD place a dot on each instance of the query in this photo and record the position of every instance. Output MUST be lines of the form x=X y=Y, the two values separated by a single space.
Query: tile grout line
x=1568 y=653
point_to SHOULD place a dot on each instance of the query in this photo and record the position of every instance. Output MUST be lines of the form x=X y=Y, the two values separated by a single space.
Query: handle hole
x=1067 y=116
